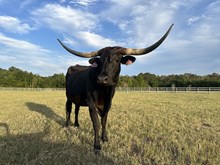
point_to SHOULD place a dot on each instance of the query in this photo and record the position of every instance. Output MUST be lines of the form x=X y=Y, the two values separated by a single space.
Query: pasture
x=143 y=128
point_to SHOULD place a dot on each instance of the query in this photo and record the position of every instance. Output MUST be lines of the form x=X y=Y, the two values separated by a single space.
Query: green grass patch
x=143 y=128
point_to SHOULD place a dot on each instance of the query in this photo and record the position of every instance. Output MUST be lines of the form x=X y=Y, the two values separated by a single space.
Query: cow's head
x=108 y=60
x=108 y=66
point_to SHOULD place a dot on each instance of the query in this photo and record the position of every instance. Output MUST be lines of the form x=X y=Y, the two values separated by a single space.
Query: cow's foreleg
x=76 y=123
x=68 y=112
x=104 y=133
x=96 y=127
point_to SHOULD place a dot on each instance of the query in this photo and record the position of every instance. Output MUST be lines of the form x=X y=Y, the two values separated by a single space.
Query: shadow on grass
x=46 y=111
x=36 y=148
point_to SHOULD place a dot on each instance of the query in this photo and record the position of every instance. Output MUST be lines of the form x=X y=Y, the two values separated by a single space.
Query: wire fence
x=170 y=89
x=30 y=89
x=130 y=89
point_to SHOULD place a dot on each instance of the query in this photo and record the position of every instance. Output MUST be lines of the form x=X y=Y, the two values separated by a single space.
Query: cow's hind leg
x=68 y=112
x=76 y=123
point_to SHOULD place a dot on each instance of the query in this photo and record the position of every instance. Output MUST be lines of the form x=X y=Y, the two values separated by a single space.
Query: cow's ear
x=94 y=62
x=127 y=60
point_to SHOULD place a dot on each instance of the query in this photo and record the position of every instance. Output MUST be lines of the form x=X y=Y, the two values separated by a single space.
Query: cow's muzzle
x=102 y=79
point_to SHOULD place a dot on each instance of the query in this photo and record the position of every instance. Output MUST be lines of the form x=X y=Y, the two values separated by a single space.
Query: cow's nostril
x=105 y=79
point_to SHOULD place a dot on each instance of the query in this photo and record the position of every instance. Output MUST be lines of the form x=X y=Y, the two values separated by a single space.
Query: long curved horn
x=130 y=51
x=80 y=54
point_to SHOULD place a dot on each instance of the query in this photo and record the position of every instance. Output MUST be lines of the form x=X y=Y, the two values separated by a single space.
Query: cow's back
x=76 y=68
x=77 y=78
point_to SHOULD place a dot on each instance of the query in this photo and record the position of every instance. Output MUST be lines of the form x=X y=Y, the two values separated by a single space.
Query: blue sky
x=29 y=29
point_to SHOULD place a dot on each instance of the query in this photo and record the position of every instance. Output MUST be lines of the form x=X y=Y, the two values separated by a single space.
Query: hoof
x=76 y=125
x=97 y=149
x=97 y=152
x=105 y=139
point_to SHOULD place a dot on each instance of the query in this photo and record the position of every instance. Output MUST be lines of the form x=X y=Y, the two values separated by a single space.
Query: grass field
x=143 y=128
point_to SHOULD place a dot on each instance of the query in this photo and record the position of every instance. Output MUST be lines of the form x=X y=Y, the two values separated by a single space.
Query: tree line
x=15 y=77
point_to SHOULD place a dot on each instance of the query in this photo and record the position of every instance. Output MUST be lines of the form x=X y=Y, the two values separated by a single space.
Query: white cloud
x=214 y=7
x=65 y=19
x=30 y=57
x=5 y=59
x=118 y=10
x=62 y=1
x=83 y=2
x=14 y=25
x=69 y=41
x=206 y=25
x=79 y=26
x=193 y=20
x=140 y=21
x=21 y=45
x=26 y=3
x=23 y=53
x=96 y=40
x=178 y=5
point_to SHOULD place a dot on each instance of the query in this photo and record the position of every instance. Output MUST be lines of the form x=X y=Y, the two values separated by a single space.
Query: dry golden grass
x=143 y=128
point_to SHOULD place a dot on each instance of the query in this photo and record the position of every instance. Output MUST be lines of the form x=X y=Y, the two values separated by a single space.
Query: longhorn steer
x=95 y=86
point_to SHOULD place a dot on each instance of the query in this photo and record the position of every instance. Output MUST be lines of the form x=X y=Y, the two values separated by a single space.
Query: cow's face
x=108 y=65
